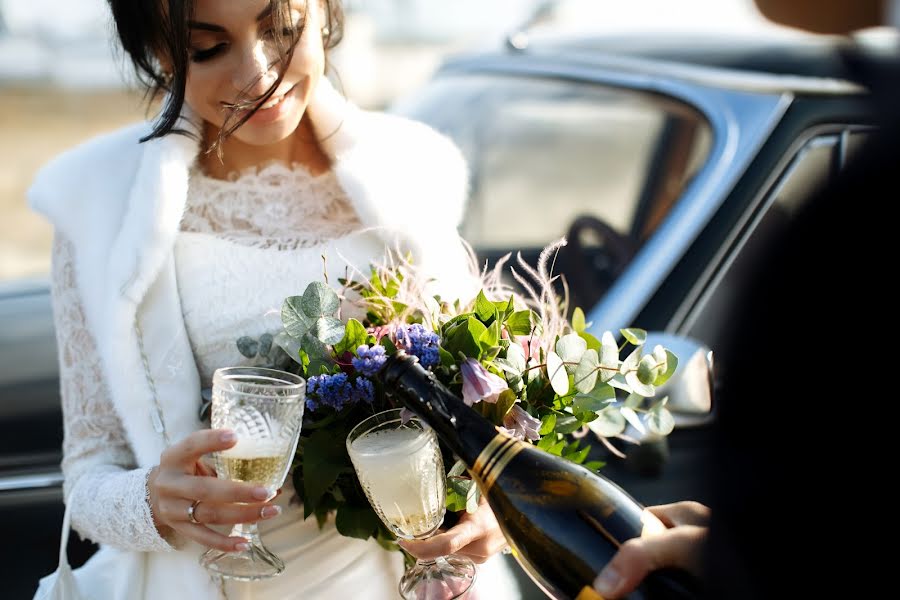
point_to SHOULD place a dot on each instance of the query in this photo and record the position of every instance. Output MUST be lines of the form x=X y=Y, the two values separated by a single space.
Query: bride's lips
x=275 y=108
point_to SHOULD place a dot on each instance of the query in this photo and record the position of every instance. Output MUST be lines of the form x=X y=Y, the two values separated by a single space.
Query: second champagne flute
x=400 y=468
x=264 y=407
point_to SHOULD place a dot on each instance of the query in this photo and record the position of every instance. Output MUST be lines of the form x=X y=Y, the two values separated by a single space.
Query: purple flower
x=479 y=384
x=368 y=361
x=522 y=425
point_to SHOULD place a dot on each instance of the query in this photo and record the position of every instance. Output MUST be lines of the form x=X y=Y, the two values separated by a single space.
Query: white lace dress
x=244 y=246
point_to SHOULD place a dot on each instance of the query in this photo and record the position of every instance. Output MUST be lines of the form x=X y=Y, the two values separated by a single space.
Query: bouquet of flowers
x=517 y=360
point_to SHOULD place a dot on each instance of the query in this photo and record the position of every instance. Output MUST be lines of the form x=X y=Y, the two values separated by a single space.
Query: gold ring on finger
x=192 y=509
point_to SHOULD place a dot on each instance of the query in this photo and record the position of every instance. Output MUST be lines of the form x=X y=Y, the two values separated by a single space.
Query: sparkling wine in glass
x=400 y=468
x=264 y=407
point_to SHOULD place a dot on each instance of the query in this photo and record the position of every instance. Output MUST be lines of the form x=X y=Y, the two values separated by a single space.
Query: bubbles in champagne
x=262 y=462
x=403 y=475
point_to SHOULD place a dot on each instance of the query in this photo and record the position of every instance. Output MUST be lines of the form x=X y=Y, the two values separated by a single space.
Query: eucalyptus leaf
x=671 y=365
x=638 y=386
x=515 y=356
x=662 y=360
x=328 y=330
x=571 y=348
x=630 y=364
x=578 y=323
x=609 y=422
x=660 y=421
x=646 y=371
x=586 y=372
x=458 y=493
x=619 y=383
x=556 y=372
x=295 y=321
x=636 y=336
x=588 y=404
x=566 y=424
x=633 y=400
x=597 y=399
x=459 y=467
x=248 y=346
x=265 y=344
x=472 y=498
x=609 y=357
x=633 y=418
x=319 y=300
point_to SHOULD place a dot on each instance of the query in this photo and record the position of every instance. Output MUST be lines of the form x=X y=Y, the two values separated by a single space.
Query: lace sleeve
x=108 y=495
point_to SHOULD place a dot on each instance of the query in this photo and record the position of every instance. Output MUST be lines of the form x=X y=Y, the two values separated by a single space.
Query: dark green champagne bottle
x=563 y=522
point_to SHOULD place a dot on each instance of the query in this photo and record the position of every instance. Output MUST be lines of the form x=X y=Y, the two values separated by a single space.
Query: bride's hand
x=182 y=480
x=477 y=536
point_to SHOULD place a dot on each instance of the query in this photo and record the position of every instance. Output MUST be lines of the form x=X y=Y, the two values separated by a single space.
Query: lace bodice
x=276 y=206
x=245 y=245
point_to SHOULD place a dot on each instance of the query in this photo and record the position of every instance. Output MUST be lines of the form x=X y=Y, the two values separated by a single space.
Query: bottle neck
x=466 y=432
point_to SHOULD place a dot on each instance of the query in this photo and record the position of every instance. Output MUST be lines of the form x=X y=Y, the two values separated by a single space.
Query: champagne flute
x=264 y=407
x=400 y=468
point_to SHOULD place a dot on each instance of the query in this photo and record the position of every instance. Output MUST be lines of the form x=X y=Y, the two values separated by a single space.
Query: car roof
x=800 y=63
x=813 y=56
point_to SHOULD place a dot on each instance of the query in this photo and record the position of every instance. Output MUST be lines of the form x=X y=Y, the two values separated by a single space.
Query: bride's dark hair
x=155 y=35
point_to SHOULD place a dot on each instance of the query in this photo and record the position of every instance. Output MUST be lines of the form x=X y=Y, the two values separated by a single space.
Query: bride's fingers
x=210 y=513
x=484 y=548
x=442 y=544
x=185 y=454
x=208 y=489
x=207 y=537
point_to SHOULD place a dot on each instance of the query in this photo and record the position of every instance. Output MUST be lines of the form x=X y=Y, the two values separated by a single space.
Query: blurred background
x=62 y=80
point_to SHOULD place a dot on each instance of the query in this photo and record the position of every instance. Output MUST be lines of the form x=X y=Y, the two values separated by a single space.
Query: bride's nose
x=256 y=72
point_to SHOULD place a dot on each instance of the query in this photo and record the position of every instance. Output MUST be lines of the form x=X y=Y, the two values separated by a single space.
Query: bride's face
x=233 y=56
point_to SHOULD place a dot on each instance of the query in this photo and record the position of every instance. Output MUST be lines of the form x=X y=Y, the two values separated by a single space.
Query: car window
x=544 y=152
x=805 y=174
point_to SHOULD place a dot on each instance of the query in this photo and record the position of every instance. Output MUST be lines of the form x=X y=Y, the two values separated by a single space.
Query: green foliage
x=565 y=381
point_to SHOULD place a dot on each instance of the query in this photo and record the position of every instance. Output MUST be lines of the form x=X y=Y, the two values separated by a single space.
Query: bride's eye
x=200 y=55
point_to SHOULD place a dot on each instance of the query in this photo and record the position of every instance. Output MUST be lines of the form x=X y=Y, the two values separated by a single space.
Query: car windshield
x=553 y=157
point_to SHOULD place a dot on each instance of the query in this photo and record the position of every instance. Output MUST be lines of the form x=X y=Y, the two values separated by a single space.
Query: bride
x=176 y=237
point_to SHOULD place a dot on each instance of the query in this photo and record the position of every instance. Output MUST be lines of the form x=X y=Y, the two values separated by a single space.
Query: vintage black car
x=667 y=162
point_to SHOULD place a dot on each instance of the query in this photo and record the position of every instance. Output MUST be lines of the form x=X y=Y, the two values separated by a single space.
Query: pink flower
x=532 y=347
x=479 y=384
x=521 y=424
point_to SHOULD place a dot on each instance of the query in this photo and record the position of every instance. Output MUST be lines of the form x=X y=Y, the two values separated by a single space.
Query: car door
x=31 y=507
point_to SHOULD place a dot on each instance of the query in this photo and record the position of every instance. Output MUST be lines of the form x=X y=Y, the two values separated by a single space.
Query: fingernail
x=242 y=546
x=261 y=493
x=268 y=512
x=608 y=581
x=228 y=436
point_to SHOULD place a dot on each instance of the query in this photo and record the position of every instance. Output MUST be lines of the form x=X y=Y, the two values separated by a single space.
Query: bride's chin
x=265 y=136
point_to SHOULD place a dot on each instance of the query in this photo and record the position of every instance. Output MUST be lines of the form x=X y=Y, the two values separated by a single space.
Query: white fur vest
x=120 y=203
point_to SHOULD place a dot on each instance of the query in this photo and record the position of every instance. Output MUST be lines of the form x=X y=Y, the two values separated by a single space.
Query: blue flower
x=368 y=361
x=338 y=391
x=422 y=343
x=363 y=391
